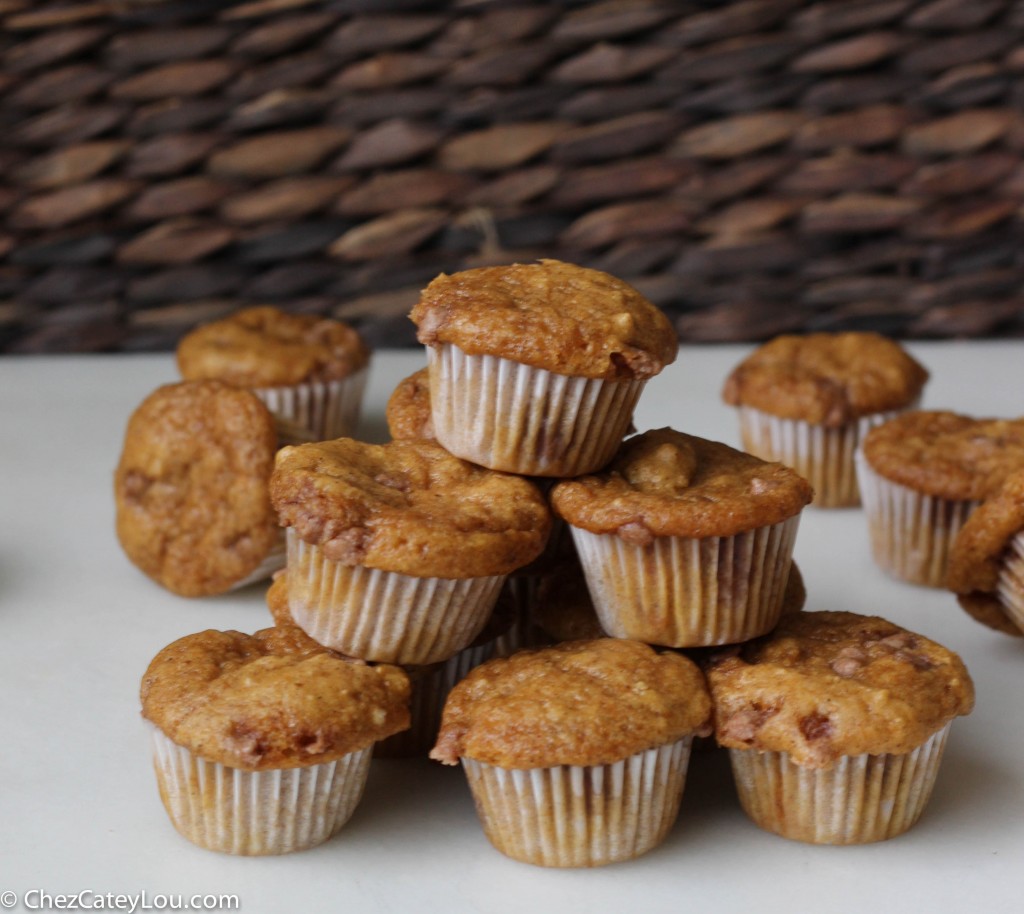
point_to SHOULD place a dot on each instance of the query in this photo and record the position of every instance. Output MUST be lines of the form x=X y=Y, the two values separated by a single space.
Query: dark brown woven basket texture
x=754 y=167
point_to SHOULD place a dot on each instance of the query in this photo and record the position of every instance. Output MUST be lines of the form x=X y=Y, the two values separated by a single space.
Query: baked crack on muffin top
x=549 y=315
x=266 y=347
x=667 y=483
x=409 y=507
x=829 y=684
x=274 y=699
x=946 y=454
x=826 y=379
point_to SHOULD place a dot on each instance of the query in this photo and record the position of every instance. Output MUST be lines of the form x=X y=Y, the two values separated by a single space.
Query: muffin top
x=829 y=684
x=945 y=454
x=408 y=411
x=667 y=483
x=275 y=699
x=408 y=507
x=577 y=703
x=193 y=507
x=266 y=347
x=826 y=378
x=550 y=315
x=976 y=557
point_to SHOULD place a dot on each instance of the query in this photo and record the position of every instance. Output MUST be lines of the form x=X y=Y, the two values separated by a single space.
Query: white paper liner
x=329 y=409
x=429 y=691
x=911 y=533
x=512 y=417
x=256 y=812
x=575 y=816
x=272 y=562
x=381 y=615
x=1010 y=586
x=863 y=798
x=823 y=456
x=684 y=592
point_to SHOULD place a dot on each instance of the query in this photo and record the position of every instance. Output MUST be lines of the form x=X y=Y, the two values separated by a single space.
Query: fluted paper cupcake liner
x=512 y=417
x=581 y=816
x=685 y=592
x=911 y=533
x=429 y=691
x=256 y=812
x=863 y=798
x=328 y=409
x=823 y=456
x=273 y=561
x=1010 y=586
x=381 y=615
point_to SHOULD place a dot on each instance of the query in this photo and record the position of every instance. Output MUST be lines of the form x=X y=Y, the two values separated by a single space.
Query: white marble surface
x=78 y=624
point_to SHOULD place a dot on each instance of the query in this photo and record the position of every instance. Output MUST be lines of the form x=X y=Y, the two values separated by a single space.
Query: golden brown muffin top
x=576 y=703
x=408 y=507
x=408 y=411
x=976 y=557
x=277 y=599
x=829 y=684
x=275 y=699
x=826 y=378
x=667 y=483
x=193 y=508
x=946 y=454
x=266 y=347
x=550 y=315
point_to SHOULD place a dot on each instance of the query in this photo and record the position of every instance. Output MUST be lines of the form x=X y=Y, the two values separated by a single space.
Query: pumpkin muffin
x=807 y=401
x=576 y=754
x=921 y=475
x=397 y=552
x=310 y=371
x=536 y=368
x=685 y=542
x=836 y=724
x=193 y=508
x=986 y=562
x=262 y=742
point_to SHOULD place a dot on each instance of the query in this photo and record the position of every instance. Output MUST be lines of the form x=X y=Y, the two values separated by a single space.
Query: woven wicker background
x=754 y=167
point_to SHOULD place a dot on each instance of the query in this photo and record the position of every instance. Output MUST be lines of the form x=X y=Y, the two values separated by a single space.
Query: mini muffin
x=396 y=552
x=685 y=542
x=576 y=754
x=836 y=723
x=806 y=401
x=262 y=742
x=310 y=370
x=408 y=411
x=536 y=368
x=191 y=489
x=986 y=562
x=921 y=475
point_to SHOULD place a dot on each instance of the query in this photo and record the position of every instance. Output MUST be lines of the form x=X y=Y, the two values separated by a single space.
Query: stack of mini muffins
x=577 y=752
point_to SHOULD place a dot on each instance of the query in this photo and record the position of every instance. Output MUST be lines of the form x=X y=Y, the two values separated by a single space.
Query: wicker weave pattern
x=753 y=166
